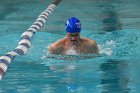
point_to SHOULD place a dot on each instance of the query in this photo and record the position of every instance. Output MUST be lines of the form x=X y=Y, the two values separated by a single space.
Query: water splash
x=107 y=48
x=71 y=51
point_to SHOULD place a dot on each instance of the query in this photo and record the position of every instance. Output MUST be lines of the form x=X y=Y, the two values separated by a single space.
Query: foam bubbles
x=107 y=48
x=71 y=51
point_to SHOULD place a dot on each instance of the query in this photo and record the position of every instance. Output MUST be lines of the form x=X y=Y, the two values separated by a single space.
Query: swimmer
x=72 y=41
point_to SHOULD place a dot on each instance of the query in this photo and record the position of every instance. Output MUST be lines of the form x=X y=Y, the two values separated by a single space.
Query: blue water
x=113 y=24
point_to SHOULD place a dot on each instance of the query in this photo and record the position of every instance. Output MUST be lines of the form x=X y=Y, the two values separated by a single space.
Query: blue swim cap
x=73 y=25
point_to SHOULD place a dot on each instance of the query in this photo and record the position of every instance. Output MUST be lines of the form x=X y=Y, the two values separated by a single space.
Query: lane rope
x=25 y=40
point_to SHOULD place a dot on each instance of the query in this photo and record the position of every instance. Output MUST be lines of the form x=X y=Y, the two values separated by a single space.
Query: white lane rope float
x=25 y=40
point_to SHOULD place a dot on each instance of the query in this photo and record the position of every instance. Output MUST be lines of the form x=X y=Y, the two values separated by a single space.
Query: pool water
x=113 y=24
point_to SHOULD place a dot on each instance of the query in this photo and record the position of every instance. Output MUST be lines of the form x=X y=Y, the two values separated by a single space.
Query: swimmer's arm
x=94 y=48
x=52 y=49
x=56 y=47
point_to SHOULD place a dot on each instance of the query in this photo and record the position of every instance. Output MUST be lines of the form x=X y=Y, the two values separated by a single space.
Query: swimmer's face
x=73 y=36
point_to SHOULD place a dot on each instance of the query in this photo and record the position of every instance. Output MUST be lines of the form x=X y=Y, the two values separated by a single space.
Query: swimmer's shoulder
x=91 y=45
x=57 y=44
x=88 y=41
x=56 y=47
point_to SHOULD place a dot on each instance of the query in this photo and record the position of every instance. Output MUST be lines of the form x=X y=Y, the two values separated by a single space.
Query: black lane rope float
x=25 y=40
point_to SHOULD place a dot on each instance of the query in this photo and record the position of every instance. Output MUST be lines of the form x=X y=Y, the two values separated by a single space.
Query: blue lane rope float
x=25 y=40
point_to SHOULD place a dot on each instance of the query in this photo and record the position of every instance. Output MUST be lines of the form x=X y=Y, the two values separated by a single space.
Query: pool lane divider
x=25 y=40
